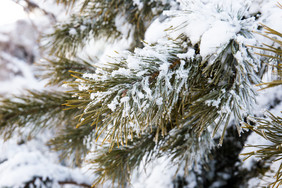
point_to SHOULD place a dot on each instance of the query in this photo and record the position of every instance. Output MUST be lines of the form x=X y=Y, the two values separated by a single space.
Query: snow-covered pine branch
x=175 y=82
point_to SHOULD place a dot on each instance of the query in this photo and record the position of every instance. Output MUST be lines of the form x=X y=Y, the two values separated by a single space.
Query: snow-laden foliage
x=131 y=97
x=189 y=72
x=112 y=20
x=221 y=21
x=159 y=84
x=193 y=81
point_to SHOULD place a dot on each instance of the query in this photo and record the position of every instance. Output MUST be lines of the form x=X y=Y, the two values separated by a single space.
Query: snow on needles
x=137 y=95
x=212 y=24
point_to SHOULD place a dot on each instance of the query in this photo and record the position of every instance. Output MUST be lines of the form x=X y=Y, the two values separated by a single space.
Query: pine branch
x=73 y=143
x=37 y=110
x=270 y=129
x=276 y=54
x=106 y=90
x=41 y=110
x=170 y=85
x=58 y=71
x=227 y=89
x=185 y=148
x=123 y=160
x=181 y=145
x=163 y=96
x=190 y=91
x=98 y=19
x=69 y=37
x=191 y=103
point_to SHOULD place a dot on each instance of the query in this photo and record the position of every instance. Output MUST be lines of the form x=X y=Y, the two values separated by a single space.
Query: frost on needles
x=191 y=82
x=172 y=83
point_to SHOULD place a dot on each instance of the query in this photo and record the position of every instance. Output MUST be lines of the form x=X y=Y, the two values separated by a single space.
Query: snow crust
x=216 y=37
x=31 y=160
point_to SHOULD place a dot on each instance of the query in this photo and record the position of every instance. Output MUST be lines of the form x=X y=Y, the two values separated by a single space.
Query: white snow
x=159 y=101
x=33 y=159
x=82 y=28
x=121 y=71
x=194 y=30
x=72 y=31
x=7 y=16
x=156 y=31
x=138 y=4
x=4 y=38
x=157 y=174
x=189 y=55
x=113 y=104
x=17 y=83
x=218 y=36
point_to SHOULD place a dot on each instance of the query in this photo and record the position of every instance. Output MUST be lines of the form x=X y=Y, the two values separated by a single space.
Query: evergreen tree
x=165 y=96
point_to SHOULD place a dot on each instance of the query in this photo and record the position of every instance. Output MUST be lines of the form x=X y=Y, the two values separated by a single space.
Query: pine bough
x=164 y=99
